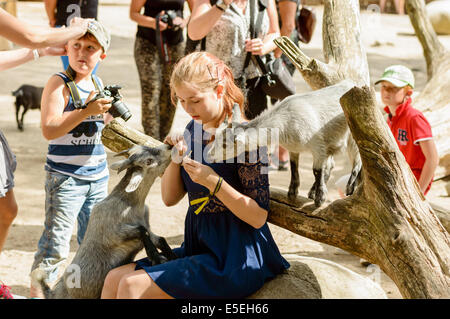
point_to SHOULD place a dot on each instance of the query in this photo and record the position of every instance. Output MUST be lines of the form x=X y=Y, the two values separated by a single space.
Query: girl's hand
x=200 y=174
x=255 y=46
x=179 y=146
x=99 y=106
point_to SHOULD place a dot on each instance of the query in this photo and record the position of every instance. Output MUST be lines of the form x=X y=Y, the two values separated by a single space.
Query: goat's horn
x=121 y=153
x=236 y=114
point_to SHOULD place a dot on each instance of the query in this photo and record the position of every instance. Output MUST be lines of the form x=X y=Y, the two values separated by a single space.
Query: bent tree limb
x=387 y=221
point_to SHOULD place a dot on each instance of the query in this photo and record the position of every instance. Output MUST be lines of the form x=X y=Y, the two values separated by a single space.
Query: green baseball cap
x=102 y=34
x=398 y=75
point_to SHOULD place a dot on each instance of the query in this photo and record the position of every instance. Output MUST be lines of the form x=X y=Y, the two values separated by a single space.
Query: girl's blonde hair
x=205 y=71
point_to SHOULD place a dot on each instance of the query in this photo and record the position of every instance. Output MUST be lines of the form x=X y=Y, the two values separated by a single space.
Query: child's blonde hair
x=205 y=71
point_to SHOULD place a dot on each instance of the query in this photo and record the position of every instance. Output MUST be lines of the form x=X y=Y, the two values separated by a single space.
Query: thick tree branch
x=317 y=74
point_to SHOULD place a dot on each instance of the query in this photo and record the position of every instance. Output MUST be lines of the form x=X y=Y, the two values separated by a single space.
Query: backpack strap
x=77 y=101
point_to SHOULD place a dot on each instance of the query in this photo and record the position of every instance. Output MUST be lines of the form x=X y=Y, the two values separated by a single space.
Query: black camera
x=118 y=108
x=168 y=18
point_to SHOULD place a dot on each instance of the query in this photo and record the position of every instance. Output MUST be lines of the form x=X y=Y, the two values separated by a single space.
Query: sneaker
x=5 y=292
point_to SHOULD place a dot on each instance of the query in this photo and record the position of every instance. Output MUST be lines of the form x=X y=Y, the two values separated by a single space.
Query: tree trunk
x=387 y=221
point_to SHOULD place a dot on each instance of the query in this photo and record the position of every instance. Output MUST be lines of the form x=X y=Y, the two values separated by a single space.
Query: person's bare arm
x=54 y=121
x=274 y=28
x=50 y=7
x=258 y=46
x=431 y=161
x=35 y=37
x=142 y=20
x=287 y=11
x=13 y=58
x=172 y=187
x=203 y=18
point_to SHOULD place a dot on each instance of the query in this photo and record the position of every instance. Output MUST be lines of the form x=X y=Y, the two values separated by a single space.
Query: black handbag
x=276 y=80
x=305 y=24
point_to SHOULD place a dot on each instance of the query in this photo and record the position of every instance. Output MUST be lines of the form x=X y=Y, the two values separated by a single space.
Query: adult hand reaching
x=52 y=51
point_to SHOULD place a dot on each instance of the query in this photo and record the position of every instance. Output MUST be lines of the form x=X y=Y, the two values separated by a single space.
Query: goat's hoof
x=312 y=193
x=349 y=189
x=292 y=195
x=319 y=198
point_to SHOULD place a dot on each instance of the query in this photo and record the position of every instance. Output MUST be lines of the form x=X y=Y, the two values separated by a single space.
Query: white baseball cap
x=398 y=75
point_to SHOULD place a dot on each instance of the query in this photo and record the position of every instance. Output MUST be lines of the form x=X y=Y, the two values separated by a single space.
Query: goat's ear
x=135 y=180
x=120 y=165
x=236 y=119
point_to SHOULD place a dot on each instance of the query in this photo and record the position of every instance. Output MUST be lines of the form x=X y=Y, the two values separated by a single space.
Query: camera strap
x=254 y=30
x=77 y=101
x=161 y=42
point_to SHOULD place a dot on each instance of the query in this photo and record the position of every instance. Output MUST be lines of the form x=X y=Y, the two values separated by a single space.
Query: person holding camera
x=77 y=172
x=159 y=44
x=226 y=29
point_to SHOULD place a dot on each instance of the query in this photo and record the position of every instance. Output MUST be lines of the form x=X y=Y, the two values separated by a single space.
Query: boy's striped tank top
x=79 y=153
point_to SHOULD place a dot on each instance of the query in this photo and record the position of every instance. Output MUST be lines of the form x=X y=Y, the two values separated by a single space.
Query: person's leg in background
x=400 y=6
x=256 y=99
x=382 y=5
x=150 y=75
x=8 y=211
x=8 y=204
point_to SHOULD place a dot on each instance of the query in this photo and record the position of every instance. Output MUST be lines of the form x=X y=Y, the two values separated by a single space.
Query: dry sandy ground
x=398 y=45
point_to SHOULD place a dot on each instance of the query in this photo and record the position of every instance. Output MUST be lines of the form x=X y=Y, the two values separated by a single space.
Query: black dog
x=30 y=97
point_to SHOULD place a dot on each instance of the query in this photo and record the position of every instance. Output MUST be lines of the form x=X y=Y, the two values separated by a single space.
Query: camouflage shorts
x=157 y=108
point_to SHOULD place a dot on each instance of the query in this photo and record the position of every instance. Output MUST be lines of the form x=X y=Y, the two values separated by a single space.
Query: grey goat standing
x=118 y=229
x=311 y=121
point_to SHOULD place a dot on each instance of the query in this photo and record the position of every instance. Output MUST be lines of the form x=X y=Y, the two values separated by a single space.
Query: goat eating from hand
x=118 y=228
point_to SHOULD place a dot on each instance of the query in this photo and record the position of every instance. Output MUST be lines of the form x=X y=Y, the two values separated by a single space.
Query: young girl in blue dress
x=228 y=250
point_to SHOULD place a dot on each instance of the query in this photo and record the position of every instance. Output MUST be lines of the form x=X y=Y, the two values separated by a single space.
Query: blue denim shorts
x=8 y=165
x=67 y=200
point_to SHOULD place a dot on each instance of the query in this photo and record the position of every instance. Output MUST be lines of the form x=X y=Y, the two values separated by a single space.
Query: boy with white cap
x=408 y=125
x=77 y=172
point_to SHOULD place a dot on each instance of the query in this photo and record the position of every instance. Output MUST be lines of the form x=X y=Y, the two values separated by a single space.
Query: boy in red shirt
x=408 y=125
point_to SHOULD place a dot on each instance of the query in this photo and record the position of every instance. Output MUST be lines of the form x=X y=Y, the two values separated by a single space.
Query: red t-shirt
x=409 y=127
